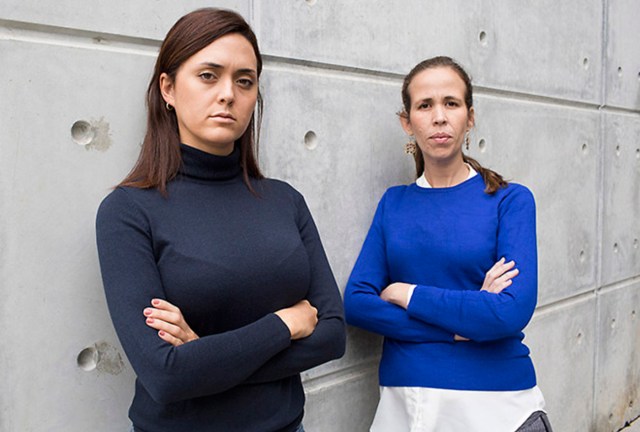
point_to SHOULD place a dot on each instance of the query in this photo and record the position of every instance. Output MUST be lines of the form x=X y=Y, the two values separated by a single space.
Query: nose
x=439 y=115
x=226 y=93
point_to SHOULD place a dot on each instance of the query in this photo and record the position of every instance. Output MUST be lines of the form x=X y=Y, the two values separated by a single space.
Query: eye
x=453 y=104
x=207 y=76
x=424 y=105
x=245 y=82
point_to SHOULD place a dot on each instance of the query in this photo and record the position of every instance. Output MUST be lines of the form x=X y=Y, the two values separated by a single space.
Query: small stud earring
x=169 y=107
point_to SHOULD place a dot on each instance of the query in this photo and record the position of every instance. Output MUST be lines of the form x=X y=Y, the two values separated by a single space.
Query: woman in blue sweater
x=448 y=275
x=196 y=234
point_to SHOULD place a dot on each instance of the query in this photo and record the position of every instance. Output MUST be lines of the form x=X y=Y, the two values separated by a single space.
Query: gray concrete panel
x=618 y=364
x=519 y=46
x=622 y=55
x=52 y=298
x=346 y=404
x=552 y=150
x=145 y=20
x=621 y=225
x=562 y=340
x=356 y=130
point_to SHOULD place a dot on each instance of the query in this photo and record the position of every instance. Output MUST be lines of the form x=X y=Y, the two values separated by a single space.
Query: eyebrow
x=218 y=66
x=447 y=98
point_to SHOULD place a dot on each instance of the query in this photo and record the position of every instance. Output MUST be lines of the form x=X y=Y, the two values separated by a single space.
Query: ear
x=167 y=88
x=405 y=123
x=471 y=121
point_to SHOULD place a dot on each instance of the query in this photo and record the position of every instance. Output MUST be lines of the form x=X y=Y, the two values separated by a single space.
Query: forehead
x=232 y=50
x=434 y=82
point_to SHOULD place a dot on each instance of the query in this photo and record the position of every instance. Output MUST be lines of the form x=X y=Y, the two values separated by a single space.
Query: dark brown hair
x=492 y=179
x=159 y=159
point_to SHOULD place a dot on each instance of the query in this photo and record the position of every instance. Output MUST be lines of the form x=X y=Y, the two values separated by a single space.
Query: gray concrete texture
x=558 y=109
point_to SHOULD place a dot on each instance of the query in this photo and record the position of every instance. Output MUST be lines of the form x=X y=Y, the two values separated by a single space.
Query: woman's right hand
x=499 y=276
x=301 y=319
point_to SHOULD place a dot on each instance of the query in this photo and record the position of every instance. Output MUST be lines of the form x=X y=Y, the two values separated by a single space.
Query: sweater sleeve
x=363 y=306
x=481 y=315
x=206 y=366
x=327 y=342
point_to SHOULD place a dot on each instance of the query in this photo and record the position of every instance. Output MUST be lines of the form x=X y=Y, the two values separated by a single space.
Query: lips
x=223 y=116
x=440 y=137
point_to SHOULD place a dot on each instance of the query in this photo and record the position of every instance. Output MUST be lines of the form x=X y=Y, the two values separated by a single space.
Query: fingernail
x=147 y=312
x=149 y=320
x=161 y=333
x=155 y=302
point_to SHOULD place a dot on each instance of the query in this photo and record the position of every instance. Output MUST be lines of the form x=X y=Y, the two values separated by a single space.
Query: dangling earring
x=466 y=141
x=169 y=107
x=410 y=147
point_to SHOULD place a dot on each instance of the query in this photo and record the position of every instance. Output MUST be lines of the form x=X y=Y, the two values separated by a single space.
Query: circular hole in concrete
x=615 y=247
x=585 y=148
x=310 y=140
x=583 y=256
x=619 y=71
x=633 y=314
x=482 y=145
x=82 y=132
x=88 y=359
x=617 y=150
x=637 y=153
x=613 y=323
x=585 y=63
x=635 y=243
x=482 y=37
x=579 y=337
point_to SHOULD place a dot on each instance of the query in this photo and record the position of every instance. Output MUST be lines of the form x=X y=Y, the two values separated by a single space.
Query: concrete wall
x=558 y=109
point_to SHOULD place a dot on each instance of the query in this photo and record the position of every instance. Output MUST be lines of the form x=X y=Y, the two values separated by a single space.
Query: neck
x=446 y=175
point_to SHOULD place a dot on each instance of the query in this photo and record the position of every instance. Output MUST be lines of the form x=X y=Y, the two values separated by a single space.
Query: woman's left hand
x=397 y=293
x=168 y=320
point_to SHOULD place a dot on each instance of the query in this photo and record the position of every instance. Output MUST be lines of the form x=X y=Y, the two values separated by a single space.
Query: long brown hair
x=492 y=179
x=159 y=159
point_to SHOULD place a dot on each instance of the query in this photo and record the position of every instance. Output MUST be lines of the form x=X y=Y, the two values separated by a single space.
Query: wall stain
x=109 y=359
x=102 y=139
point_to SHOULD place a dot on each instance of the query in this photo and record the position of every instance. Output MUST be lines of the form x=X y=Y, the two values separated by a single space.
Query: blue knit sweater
x=228 y=259
x=444 y=240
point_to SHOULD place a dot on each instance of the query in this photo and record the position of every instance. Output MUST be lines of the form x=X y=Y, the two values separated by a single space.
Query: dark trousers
x=537 y=422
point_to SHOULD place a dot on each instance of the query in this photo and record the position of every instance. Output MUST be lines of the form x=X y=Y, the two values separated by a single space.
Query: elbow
x=164 y=391
x=338 y=342
x=501 y=329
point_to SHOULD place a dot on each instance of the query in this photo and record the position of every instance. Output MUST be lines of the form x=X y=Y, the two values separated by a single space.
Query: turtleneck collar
x=203 y=166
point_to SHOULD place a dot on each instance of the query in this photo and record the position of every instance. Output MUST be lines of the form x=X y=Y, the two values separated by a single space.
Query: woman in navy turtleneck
x=215 y=277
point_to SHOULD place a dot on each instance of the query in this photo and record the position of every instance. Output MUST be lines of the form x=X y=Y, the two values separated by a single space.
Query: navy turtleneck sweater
x=228 y=259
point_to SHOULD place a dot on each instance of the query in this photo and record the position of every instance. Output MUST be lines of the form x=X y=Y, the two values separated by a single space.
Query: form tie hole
x=585 y=148
x=619 y=71
x=82 y=132
x=482 y=37
x=617 y=150
x=583 y=256
x=310 y=140
x=613 y=323
x=482 y=145
x=88 y=359
x=615 y=247
x=585 y=63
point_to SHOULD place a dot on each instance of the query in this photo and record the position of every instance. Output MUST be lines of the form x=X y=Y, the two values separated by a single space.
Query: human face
x=214 y=94
x=438 y=116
